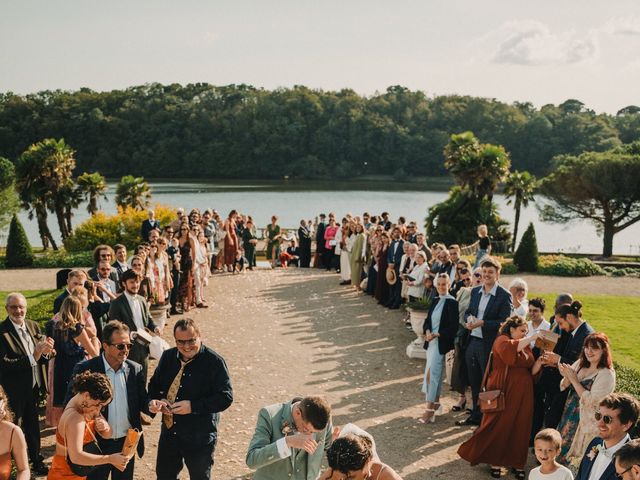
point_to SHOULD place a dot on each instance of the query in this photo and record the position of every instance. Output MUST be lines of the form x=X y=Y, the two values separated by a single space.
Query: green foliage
x=123 y=227
x=421 y=304
x=561 y=266
x=239 y=131
x=519 y=189
x=19 y=252
x=526 y=256
x=600 y=187
x=91 y=186
x=133 y=192
x=456 y=219
x=8 y=198
x=63 y=259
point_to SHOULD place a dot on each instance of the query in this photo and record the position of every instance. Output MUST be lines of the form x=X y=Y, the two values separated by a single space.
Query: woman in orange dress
x=502 y=440
x=12 y=444
x=79 y=424
x=230 y=240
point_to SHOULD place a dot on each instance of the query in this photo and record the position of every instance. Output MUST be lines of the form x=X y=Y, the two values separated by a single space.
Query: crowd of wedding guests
x=486 y=341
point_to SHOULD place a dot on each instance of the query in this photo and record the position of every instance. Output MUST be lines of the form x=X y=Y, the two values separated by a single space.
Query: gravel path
x=293 y=332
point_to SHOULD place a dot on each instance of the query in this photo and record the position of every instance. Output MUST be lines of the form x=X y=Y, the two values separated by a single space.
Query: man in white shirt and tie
x=132 y=310
x=23 y=349
x=617 y=414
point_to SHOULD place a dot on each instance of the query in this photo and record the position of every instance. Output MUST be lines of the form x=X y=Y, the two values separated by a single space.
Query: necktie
x=167 y=418
x=30 y=350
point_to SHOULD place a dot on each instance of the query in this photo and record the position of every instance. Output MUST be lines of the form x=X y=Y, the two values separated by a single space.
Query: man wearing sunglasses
x=190 y=387
x=617 y=414
x=129 y=399
x=627 y=461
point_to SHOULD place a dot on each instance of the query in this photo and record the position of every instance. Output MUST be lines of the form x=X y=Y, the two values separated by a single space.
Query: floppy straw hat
x=391 y=276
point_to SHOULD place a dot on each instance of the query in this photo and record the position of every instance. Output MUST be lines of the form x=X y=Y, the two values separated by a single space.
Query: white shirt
x=482 y=306
x=544 y=325
x=604 y=457
x=136 y=310
x=562 y=473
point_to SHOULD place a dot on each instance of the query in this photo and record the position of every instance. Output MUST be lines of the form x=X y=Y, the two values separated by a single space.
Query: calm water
x=292 y=202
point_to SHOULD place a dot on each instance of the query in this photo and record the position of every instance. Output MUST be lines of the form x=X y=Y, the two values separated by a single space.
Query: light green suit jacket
x=263 y=453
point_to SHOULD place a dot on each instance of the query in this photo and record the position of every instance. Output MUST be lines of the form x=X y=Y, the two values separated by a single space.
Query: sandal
x=496 y=472
x=460 y=406
x=519 y=474
x=426 y=418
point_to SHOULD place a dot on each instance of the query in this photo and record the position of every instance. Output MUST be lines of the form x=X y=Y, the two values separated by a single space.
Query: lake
x=292 y=201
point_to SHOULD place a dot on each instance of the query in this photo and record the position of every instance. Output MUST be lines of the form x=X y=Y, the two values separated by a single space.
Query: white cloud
x=623 y=26
x=530 y=42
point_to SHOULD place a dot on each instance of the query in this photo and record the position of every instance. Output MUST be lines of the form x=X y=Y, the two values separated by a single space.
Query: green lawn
x=33 y=296
x=618 y=317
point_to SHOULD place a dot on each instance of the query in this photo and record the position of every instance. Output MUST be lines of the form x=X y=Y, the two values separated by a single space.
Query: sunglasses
x=105 y=255
x=477 y=275
x=184 y=343
x=606 y=419
x=121 y=346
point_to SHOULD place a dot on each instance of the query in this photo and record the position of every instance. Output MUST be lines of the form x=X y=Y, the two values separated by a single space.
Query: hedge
x=123 y=227
x=561 y=266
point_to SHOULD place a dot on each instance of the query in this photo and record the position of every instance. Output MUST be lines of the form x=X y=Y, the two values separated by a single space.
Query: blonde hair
x=550 y=435
x=70 y=313
x=482 y=229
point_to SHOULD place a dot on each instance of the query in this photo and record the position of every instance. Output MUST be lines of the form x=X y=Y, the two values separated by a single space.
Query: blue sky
x=543 y=51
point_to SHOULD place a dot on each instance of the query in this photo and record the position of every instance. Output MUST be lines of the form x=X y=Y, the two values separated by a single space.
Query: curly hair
x=97 y=385
x=349 y=453
x=8 y=413
x=513 y=321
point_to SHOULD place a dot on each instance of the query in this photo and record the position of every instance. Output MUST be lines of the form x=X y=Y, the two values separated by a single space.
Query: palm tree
x=91 y=186
x=43 y=175
x=133 y=192
x=478 y=168
x=519 y=189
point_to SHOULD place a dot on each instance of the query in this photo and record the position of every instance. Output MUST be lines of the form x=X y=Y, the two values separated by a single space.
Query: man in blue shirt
x=490 y=305
x=129 y=396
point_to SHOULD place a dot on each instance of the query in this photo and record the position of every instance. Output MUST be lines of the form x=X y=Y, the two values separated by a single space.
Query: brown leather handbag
x=491 y=401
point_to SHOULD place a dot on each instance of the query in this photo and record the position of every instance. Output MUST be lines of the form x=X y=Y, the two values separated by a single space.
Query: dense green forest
x=239 y=131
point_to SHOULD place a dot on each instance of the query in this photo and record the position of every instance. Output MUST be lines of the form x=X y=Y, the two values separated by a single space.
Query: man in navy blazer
x=618 y=413
x=575 y=330
x=130 y=396
x=490 y=305
x=394 y=256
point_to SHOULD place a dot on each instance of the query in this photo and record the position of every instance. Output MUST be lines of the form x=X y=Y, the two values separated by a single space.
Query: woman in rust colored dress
x=502 y=440
x=230 y=240
x=382 y=286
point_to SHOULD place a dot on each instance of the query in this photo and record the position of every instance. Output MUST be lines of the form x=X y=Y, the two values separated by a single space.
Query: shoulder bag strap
x=483 y=385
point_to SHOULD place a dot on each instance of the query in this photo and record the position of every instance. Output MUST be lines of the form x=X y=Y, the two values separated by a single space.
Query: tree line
x=239 y=131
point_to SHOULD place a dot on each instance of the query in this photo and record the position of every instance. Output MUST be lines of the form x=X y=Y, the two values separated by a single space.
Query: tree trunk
x=609 y=232
x=59 y=211
x=515 y=226
x=43 y=228
x=67 y=217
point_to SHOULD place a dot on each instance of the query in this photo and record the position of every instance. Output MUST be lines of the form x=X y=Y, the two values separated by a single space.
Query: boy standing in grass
x=547 y=445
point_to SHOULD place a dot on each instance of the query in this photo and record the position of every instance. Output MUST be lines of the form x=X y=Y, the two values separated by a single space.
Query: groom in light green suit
x=290 y=440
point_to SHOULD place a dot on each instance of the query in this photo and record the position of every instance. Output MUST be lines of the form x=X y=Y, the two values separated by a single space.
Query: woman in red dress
x=502 y=440
x=230 y=240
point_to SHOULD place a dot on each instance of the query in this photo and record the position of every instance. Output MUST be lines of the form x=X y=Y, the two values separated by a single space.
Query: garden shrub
x=123 y=227
x=561 y=266
x=19 y=253
x=64 y=259
x=526 y=255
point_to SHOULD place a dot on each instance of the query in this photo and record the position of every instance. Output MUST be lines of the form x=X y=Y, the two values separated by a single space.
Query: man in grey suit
x=132 y=310
x=290 y=439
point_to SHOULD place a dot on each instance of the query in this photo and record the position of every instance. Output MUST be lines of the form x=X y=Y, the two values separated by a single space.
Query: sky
x=542 y=51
